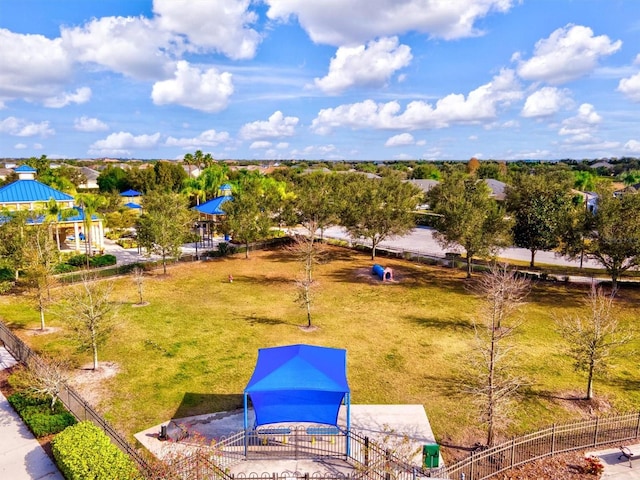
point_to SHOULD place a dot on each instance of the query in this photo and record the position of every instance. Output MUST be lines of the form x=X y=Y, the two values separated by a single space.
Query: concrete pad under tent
x=374 y=421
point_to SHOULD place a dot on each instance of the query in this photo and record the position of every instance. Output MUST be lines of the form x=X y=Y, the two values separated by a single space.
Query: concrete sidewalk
x=21 y=456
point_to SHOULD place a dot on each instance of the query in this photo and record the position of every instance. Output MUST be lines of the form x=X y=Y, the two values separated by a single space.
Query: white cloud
x=480 y=105
x=632 y=146
x=545 y=102
x=260 y=144
x=208 y=138
x=122 y=143
x=133 y=46
x=282 y=145
x=276 y=126
x=372 y=64
x=191 y=87
x=21 y=128
x=631 y=87
x=218 y=26
x=567 y=54
x=20 y=146
x=400 y=140
x=33 y=66
x=349 y=22
x=86 y=124
x=81 y=95
x=581 y=126
x=473 y=138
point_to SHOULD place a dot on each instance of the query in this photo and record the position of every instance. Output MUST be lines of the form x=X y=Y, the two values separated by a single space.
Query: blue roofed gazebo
x=298 y=383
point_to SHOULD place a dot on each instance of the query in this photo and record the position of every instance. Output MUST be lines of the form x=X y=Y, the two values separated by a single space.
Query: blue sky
x=320 y=79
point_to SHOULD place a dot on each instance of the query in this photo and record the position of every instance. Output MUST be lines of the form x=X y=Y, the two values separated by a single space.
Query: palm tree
x=195 y=187
x=90 y=204
x=54 y=213
x=189 y=162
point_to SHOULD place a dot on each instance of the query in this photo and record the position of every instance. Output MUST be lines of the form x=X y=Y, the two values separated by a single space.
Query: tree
x=594 y=337
x=317 y=201
x=113 y=179
x=90 y=205
x=169 y=176
x=165 y=224
x=377 y=209
x=426 y=170
x=138 y=279
x=41 y=257
x=249 y=216
x=309 y=253
x=90 y=312
x=13 y=240
x=54 y=213
x=490 y=374
x=468 y=217
x=540 y=207
x=611 y=233
x=46 y=376
x=188 y=161
x=473 y=165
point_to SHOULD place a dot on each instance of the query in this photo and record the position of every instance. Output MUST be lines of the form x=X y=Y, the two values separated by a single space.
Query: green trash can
x=430 y=456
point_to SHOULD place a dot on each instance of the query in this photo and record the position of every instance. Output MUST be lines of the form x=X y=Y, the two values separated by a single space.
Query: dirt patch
x=138 y=305
x=306 y=328
x=89 y=382
x=37 y=331
x=574 y=401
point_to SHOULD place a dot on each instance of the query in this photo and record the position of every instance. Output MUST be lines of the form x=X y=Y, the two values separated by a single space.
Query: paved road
x=21 y=456
x=421 y=240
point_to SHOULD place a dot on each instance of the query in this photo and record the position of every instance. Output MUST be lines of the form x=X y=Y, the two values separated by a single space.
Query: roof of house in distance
x=30 y=191
x=212 y=207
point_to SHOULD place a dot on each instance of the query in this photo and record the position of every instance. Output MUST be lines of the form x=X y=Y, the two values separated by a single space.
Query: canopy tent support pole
x=246 y=424
x=347 y=397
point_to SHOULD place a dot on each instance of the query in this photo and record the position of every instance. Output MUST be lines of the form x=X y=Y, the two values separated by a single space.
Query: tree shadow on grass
x=260 y=279
x=208 y=403
x=440 y=323
x=260 y=320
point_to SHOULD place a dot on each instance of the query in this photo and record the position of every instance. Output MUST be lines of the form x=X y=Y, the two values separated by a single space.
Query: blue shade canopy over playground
x=298 y=383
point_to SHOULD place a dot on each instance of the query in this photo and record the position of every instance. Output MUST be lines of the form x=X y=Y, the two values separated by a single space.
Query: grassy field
x=193 y=349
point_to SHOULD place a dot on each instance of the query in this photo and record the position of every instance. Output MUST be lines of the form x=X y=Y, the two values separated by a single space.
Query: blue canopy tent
x=298 y=383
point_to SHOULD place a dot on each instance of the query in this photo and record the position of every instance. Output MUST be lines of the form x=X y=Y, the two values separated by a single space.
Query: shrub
x=84 y=451
x=223 y=248
x=102 y=260
x=78 y=260
x=7 y=275
x=38 y=416
x=64 y=268
x=6 y=286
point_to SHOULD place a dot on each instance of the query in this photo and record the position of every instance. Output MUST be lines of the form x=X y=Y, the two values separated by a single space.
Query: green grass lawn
x=193 y=349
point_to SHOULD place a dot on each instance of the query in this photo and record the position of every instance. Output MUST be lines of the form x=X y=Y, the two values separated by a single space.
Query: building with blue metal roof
x=26 y=193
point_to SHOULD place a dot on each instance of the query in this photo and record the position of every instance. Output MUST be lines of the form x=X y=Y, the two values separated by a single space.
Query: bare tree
x=90 y=312
x=47 y=376
x=138 y=279
x=491 y=379
x=594 y=336
x=40 y=257
x=309 y=252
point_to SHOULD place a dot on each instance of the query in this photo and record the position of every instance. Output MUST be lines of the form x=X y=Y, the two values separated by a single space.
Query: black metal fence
x=544 y=443
x=71 y=399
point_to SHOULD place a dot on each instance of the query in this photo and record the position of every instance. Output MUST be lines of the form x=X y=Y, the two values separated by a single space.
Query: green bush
x=38 y=416
x=64 y=268
x=6 y=286
x=83 y=451
x=7 y=275
x=102 y=260
x=78 y=260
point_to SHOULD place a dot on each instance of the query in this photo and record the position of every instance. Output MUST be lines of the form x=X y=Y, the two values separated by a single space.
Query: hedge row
x=84 y=451
x=37 y=414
